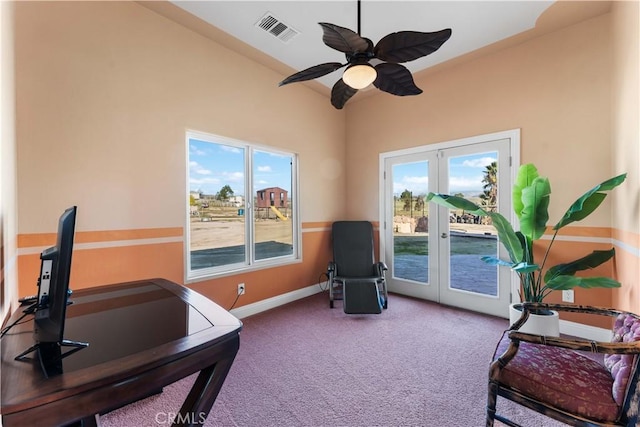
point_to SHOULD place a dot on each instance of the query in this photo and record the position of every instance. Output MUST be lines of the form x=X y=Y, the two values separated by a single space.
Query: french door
x=433 y=252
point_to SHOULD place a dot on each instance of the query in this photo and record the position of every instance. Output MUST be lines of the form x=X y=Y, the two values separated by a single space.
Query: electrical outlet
x=240 y=288
x=567 y=296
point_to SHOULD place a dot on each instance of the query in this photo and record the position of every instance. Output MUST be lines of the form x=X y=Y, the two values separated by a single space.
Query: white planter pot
x=539 y=324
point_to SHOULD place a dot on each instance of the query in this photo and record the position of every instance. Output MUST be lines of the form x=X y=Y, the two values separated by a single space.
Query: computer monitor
x=53 y=289
x=53 y=297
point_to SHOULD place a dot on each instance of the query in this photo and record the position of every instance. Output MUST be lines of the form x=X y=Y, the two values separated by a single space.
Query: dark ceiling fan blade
x=312 y=72
x=406 y=46
x=343 y=39
x=396 y=80
x=341 y=93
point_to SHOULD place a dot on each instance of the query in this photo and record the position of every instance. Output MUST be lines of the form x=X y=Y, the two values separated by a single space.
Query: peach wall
x=625 y=111
x=8 y=195
x=106 y=91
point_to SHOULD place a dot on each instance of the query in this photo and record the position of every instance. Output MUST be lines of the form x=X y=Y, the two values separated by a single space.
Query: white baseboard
x=583 y=331
x=273 y=302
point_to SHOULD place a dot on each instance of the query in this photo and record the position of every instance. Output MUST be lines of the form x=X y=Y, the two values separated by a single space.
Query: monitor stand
x=50 y=354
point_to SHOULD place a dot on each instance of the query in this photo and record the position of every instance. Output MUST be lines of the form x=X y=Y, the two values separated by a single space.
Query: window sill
x=212 y=273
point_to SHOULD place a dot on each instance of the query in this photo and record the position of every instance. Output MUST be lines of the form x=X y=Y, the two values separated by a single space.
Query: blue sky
x=465 y=172
x=212 y=166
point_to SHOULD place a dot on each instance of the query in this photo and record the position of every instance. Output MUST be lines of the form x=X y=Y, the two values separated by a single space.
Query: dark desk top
x=130 y=327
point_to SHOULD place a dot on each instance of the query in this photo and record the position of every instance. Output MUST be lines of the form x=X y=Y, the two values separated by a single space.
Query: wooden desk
x=142 y=336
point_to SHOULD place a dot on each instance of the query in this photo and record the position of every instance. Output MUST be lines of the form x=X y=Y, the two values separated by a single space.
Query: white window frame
x=250 y=263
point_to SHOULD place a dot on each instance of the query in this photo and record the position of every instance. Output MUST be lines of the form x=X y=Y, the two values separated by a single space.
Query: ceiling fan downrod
x=359 y=18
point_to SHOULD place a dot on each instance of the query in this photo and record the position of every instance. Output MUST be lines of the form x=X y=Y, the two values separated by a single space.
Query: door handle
x=443 y=235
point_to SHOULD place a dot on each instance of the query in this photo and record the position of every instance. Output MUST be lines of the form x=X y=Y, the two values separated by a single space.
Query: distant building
x=273 y=196
x=237 y=201
x=195 y=195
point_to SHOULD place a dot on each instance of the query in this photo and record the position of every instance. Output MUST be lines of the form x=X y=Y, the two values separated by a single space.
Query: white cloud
x=203 y=181
x=264 y=168
x=419 y=185
x=233 y=176
x=230 y=149
x=479 y=163
x=415 y=184
x=457 y=184
x=196 y=168
x=195 y=151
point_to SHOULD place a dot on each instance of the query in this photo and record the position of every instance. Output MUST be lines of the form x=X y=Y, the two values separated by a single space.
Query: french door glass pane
x=216 y=182
x=410 y=233
x=473 y=177
x=273 y=213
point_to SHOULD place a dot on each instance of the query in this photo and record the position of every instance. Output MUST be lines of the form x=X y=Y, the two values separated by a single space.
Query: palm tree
x=407 y=197
x=419 y=206
x=489 y=196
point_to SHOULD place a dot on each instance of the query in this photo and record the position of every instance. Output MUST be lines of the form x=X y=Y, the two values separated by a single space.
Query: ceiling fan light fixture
x=359 y=76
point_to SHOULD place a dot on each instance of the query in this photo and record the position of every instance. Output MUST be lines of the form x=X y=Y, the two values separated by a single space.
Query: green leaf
x=455 y=202
x=491 y=260
x=520 y=267
x=525 y=268
x=526 y=174
x=535 y=214
x=589 y=201
x=612 y=183
x=562 y=282
x=507 y=236
x=592 y=260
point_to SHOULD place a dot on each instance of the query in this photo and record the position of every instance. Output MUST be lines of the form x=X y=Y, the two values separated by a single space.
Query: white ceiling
x=474 y=24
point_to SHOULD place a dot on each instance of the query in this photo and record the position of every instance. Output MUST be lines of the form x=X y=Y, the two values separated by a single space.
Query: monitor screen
x=53 y=287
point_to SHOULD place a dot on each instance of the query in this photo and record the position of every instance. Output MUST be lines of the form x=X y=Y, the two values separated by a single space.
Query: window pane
x=273 y=213
x=410 y=231
x=472 y=236
x=216 y=204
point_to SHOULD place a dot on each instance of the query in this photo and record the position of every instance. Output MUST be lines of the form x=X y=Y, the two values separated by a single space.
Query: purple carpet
x=303 y=364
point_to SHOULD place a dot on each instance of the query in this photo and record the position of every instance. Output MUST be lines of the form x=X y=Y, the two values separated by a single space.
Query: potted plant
x=531 y=197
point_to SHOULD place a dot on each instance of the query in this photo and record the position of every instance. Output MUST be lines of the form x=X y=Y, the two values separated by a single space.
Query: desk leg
x=92 y=421
x=198 y=403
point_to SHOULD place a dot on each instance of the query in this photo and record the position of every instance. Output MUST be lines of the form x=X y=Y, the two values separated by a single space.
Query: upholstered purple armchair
x=555 y=376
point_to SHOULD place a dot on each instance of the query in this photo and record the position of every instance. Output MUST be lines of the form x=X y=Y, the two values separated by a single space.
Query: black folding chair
x=354 y=276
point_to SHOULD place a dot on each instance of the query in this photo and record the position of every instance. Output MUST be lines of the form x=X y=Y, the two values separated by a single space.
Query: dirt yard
x=225 y=233
x=222 y=233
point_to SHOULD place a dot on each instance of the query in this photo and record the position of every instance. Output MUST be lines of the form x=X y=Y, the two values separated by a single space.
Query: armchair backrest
x=625 y=329
x=353 y=248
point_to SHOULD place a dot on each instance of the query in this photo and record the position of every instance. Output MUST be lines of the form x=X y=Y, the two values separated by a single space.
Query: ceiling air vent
x=277 y=28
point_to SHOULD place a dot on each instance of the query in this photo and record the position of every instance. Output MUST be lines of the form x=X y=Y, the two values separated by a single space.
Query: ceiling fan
x=388 y=76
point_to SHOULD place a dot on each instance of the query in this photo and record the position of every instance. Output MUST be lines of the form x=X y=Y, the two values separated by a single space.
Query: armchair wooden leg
x=492 y=396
